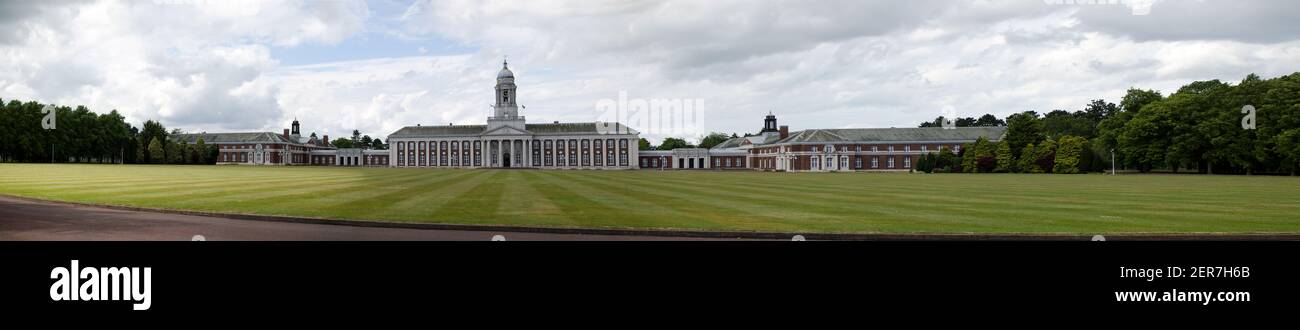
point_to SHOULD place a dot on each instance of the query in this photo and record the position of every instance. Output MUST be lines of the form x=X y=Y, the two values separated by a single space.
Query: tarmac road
x=28 y=220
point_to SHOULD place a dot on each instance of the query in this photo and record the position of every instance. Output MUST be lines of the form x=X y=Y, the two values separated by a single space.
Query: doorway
x=506 y=160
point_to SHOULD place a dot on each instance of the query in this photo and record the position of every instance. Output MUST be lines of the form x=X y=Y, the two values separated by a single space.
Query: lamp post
x=1112 y=161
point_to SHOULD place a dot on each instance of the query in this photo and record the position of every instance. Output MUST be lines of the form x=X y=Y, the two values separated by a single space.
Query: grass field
x=749 y=201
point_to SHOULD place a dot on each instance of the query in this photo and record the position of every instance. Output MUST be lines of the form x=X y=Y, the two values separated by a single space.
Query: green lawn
x=802 y=202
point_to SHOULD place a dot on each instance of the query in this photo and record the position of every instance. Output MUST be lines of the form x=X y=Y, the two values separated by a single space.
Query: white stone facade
x=508 y=141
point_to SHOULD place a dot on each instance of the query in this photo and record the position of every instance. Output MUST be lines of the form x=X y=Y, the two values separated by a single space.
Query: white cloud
x=192 y=64
x=210 y=65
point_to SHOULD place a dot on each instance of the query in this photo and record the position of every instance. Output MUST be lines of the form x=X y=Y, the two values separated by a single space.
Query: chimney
x=327 y=140
x=785 y=131
x=286 y=134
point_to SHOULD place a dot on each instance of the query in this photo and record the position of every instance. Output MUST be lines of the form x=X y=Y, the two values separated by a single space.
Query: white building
x=508 y=141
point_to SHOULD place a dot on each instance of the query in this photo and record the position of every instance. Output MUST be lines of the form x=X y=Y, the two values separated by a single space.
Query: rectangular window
x=586 y=152
x=466 y=158
x=573 y=153
x=907 y=162
x=875 y=162
x=478 y=154
x=550 y=152
x=559 y=153
x=857 y=162
x=890 y=162
x=537 y=153
x=609 y=152
x=622 y=152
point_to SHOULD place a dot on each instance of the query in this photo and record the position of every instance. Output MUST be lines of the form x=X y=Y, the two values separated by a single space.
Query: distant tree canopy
x=714 y=139
x=359 y=141
x=987 y=120
x=674 y=143
x=1202 y=127
x=79 y=135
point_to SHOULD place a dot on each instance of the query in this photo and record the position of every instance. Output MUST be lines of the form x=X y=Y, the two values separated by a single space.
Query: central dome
x=505 y=71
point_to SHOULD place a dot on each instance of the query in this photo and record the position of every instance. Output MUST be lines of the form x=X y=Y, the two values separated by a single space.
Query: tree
x=175 y=152
x=1023 y=129
x=141 y=152
x=674 y=143
x=978 y=156
x=1069 y=151
x=1044 y=157
x=947 y=161
x=200 y=152
x=643 y=144
x=1136 y=99
x=366 y=142
x=713 y=139
x=1026 y=161
x=378 y=144
x=1005 y=159
x=342 y=143
x=156 y=155
x=1146 y=137
x=1060 y=123
x=1099 y=109
x=989 y=120
x=925 y=163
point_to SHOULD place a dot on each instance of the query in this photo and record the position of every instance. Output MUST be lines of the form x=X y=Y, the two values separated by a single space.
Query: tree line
x=358 y=141
x=1203 y=127
x=79 y=135
x=82 y=136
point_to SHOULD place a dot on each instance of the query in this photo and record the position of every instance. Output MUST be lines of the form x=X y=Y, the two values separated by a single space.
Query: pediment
x=507 y=130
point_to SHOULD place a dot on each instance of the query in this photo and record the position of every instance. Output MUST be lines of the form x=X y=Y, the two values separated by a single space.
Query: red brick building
x=775 y=148
x=288 y=148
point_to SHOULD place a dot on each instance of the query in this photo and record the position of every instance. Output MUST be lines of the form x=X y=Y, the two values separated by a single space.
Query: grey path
x=22 y=219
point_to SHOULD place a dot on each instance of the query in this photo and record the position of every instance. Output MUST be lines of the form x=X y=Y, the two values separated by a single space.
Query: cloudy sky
x=251 y=65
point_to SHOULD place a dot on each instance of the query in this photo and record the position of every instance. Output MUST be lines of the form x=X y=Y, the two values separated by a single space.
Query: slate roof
x=895 y=134
x=736 y=142
x=249 y=137
x=418 y=131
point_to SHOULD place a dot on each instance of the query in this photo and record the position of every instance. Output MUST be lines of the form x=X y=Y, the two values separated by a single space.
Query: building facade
x=289 y=148
x=507 y=140
x=822 y=150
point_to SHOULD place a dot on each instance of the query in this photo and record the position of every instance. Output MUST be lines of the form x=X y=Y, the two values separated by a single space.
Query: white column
x=633 y=153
